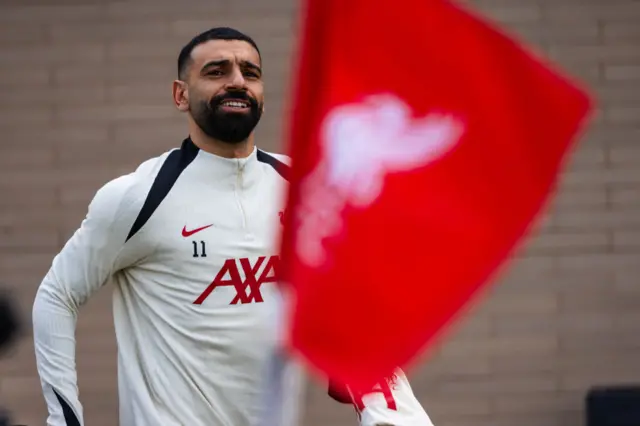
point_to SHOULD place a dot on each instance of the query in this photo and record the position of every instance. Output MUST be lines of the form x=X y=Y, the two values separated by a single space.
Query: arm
x=390 y=403
x=95 y=251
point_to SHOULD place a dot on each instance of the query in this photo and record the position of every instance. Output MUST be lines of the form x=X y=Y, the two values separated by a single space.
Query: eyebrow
x=223 y=62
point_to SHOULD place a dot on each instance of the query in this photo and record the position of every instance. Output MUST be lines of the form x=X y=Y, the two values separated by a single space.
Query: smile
x=235 y=104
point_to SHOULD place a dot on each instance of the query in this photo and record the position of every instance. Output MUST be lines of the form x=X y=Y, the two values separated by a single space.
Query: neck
x=222 y=149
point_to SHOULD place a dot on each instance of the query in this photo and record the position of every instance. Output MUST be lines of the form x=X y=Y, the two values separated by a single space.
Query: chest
x=217 y=247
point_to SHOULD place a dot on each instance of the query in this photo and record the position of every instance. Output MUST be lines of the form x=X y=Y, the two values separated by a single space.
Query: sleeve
x=94 y=252
x=390 y=403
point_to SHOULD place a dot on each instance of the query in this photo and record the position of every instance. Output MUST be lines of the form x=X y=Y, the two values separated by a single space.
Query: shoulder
x=122 y=198
x=280 y=157
x=281 y=164
x=283 y=158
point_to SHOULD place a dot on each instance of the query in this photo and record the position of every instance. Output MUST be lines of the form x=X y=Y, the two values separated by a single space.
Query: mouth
x=235 y=105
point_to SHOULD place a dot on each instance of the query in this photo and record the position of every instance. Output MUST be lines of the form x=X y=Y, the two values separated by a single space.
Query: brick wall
x=85 y=90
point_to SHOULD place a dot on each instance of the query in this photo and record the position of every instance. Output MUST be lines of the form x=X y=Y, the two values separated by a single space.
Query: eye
x=251 y=74
x=215 y=73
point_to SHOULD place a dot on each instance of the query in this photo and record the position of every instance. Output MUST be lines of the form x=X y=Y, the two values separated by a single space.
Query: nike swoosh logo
x=186 y=233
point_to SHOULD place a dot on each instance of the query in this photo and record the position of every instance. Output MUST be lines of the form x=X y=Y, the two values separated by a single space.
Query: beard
x=227 y=126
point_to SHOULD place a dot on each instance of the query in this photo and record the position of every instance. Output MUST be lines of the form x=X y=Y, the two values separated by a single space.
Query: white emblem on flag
x=362 y=143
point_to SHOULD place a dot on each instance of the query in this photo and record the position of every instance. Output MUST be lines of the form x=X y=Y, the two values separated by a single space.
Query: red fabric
x=398 y=266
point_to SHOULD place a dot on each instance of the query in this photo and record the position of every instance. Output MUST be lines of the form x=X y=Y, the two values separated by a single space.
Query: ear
x=181 y=95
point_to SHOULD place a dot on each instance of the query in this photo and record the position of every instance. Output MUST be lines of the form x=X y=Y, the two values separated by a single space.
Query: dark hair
x=218 y=33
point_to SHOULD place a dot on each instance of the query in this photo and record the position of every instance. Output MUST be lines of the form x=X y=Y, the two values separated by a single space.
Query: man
x=188 y=242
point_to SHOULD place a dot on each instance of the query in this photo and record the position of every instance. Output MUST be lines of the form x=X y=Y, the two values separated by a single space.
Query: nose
x=237 y=80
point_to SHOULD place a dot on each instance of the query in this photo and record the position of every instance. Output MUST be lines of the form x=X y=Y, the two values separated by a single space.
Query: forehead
x=232 y=50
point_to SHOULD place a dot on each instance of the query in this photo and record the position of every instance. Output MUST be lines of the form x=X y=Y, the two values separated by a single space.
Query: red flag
x=424 y=144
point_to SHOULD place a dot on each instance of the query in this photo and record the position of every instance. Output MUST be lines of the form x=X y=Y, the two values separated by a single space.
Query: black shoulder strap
x=283 y=169
x=171 y=169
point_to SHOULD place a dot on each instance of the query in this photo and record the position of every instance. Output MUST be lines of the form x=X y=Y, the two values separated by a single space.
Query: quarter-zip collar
x=239 y=172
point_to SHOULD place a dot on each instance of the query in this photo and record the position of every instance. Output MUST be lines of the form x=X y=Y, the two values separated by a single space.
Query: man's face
x=225 y=89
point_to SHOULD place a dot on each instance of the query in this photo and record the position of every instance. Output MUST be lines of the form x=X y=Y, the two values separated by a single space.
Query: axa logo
x=246 y=277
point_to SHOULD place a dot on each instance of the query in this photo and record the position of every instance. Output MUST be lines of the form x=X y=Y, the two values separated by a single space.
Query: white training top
x=188 y=240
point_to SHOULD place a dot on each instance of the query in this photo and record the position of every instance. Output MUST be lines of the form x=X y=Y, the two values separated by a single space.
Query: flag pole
x=282 y=384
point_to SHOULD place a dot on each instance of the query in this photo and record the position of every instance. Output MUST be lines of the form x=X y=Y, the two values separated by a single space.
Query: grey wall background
x=85 y=96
